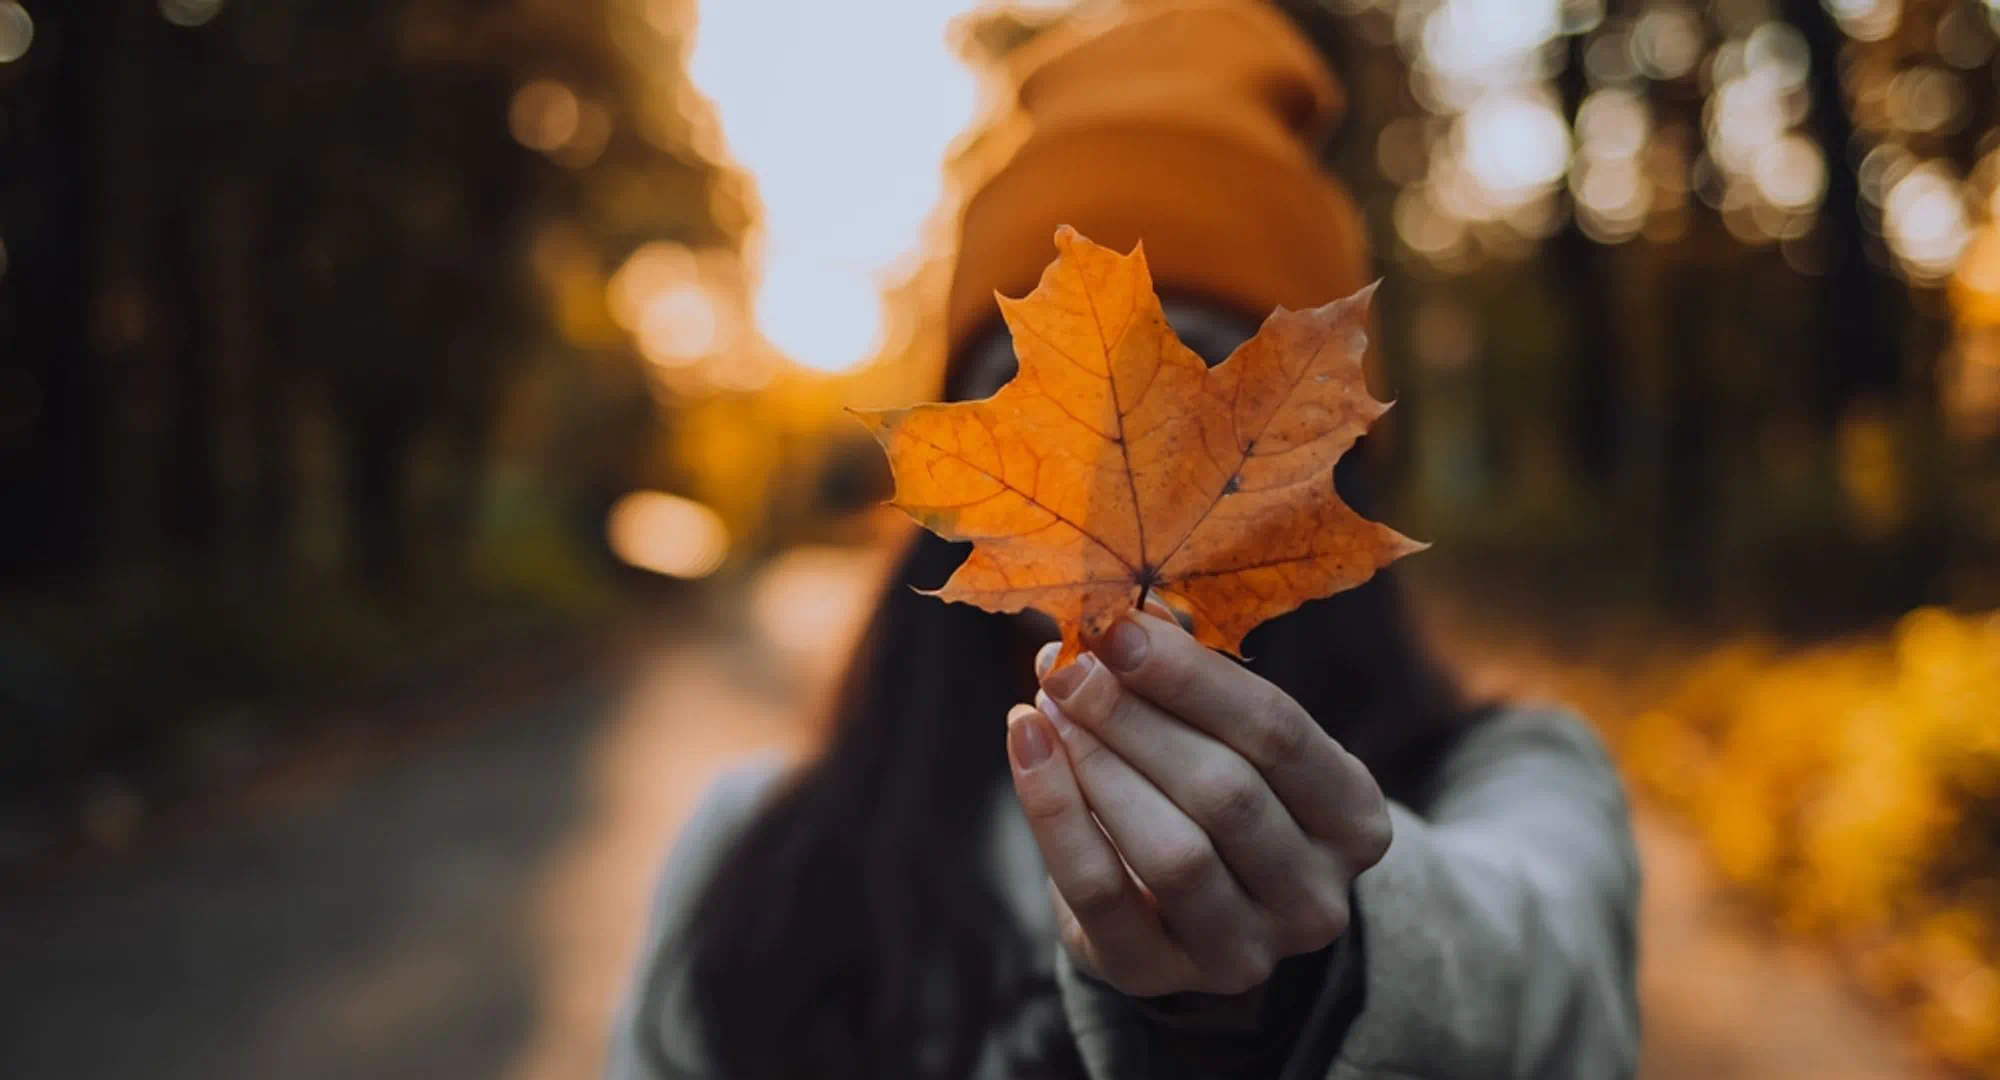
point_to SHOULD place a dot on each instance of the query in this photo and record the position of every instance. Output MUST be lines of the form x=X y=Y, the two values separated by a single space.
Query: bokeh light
x=1925 y=99
x=811 y=597
x=1766 y=176
x=588 y=140
x=1667 y=42
x=1480 y=182
x=1515 y=147
x=1867 y=20
x=17 y=31
x=667 y=534
x=548 y=116
x=1790 y=173
x=847 y=172
x=1611 y=193
x=190 y=12
x=1965 y=40
x=1470 y=46
x=681 y=325
x=545 y=115
x=648 y=272
x=1925 y=220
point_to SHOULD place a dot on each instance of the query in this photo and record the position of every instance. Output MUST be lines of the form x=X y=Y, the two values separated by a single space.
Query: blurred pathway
x=1725 y=1000
x=469 y=910
x=1724 y=996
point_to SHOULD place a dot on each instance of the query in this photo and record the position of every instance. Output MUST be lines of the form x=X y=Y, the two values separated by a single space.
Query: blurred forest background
x=344 y=343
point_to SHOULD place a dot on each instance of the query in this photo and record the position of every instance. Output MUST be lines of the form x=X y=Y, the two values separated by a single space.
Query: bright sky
x=841 y=113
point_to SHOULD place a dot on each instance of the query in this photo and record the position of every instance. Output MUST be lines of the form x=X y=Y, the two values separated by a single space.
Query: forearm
x=1501 y=926
x=1494 y=940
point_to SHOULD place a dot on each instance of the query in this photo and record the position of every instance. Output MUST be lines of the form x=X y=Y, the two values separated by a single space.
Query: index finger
x=1123 y=930
x=1326 y=788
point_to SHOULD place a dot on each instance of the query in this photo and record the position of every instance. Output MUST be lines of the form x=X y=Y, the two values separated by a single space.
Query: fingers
x=1116 y=931
x=1330 y=794
x=1206 y=911
x=1282 y=870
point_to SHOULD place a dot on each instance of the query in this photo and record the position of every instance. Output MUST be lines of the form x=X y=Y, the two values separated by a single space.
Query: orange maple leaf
x=1116 y=463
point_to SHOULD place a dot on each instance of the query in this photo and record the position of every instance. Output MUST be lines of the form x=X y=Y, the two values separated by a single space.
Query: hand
x=1196 y=824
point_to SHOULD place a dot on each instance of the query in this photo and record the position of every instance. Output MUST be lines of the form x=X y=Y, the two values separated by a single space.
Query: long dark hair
x=856 y=929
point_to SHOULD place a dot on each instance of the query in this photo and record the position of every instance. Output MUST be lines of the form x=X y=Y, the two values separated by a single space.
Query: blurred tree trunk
x=1851 y=331
x=1593 y=406
x=185 y=277
x=270 y=394
x=50 y=462
x=1686 y=514
x=378 y=453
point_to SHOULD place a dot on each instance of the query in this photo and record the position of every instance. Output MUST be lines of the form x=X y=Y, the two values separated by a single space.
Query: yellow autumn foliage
x=1857 y=788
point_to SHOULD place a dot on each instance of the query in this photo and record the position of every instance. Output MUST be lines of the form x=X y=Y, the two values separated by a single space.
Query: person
x=1323 y=862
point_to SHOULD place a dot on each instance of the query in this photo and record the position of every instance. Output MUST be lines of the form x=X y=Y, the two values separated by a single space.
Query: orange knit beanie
x=1188 y=124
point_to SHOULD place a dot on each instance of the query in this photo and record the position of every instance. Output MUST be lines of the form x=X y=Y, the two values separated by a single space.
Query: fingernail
x=1057 y=718
x=1063 y=682
x=1124 y=648
x=1046 y=658
x=1027 y=743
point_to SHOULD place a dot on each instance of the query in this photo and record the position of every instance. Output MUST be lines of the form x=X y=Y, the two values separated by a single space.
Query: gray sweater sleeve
x=1499 y=931
x=654 y=1036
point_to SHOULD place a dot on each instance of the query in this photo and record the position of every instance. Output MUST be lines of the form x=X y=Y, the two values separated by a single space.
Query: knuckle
x=1280 y=730
x=1227 y=798
x=1182 y=866
x=1095 y=896
x=1042 y=805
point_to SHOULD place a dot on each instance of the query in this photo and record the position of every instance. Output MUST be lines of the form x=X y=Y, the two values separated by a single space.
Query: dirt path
x=1725 y=1000
x=468 y=911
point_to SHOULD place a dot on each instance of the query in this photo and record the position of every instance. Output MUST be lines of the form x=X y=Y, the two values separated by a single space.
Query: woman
x=1323 y=863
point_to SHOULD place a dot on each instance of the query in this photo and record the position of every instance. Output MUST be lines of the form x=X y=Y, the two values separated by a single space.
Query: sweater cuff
x=1290 y=1026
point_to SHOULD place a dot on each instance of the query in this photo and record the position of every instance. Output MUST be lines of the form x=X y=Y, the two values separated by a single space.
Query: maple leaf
x=1116 y=463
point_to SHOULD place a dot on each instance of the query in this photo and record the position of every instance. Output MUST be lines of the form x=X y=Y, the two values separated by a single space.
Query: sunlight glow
x=841 y=113
x=667 y=534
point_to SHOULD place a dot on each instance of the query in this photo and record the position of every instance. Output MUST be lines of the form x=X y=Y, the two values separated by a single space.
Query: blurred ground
x=467 y=908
